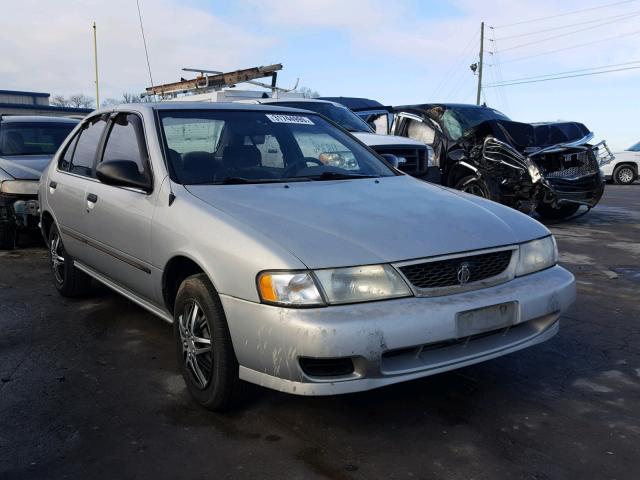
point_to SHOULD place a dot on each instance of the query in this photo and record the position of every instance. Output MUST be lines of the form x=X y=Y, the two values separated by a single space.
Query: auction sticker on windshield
x=289 y=119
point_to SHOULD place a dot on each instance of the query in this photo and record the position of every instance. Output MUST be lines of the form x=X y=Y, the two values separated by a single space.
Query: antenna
x=144 y=41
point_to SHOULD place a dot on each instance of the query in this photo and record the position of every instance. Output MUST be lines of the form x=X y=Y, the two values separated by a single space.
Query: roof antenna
x=172 y=196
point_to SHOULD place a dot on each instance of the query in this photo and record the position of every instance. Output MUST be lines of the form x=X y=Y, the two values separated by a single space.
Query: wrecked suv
x=27 y=144
x=547 y=167
x=310 y=272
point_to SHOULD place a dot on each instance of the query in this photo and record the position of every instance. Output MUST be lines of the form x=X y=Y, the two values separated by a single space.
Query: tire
x=68 y=280
x=474 y=185
x=203 y=345
x=548 y=212
x=624 y=175
x=8 y=236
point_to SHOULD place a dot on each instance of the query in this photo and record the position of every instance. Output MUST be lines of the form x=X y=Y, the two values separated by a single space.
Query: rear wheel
x=8 y=236
x=549 y=212
x=474 y=185
x=624 y=175
x=205 y=353
x=69 y=281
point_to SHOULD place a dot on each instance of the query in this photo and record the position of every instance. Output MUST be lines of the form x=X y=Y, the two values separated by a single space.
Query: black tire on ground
x=474 y=185
x=624 y=175
x=8 y=236
x=68 y=280
x=203 y=344
x=548 y=212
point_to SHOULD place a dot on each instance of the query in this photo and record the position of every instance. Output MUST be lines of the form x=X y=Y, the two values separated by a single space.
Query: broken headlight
x=537 y=255
x=19 y=187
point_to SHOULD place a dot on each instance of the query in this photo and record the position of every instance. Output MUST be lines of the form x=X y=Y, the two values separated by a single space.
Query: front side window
x=126 y=141
x=211 y=147
x=420 y=131
x=32 y=138
x=457 y=121
x=85 y=150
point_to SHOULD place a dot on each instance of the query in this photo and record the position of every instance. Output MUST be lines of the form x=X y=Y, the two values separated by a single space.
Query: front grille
x=576 y=164
x=446 y=273
x=416 y=158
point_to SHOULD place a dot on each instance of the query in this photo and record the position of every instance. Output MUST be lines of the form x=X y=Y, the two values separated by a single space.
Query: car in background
x=549 y=168
x=624 y=168
x=306 y=271
x=413 y=157
x=27 y=144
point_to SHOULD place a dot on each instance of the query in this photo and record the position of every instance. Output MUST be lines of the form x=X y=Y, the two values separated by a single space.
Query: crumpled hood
x=358 y=222
x=527 y=135
x=24 y=167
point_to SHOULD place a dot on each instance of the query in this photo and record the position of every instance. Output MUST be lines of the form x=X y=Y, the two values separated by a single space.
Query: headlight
x=362 y=284
x=289 y=289
x=537 y=255
x=20 y=187
x=534 y=172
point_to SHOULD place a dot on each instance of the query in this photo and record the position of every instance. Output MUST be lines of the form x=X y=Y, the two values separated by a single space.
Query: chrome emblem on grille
x=463 y=273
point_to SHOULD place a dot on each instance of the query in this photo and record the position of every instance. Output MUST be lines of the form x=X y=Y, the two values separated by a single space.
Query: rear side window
x=85 y=151
x=65 y=159
x=126 y=141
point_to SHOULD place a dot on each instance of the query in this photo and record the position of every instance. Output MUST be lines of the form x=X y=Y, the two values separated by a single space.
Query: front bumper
x=20 y=211
x=385 y=339
x=584 y=191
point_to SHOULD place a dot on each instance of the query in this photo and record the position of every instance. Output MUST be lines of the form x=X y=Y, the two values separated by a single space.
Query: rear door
x=68 y=184
x=118 y=219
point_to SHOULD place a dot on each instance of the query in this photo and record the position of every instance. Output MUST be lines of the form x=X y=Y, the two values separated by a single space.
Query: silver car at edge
x=288 y=254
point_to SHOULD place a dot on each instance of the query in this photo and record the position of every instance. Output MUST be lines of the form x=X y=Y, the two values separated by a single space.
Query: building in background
x=13 y=102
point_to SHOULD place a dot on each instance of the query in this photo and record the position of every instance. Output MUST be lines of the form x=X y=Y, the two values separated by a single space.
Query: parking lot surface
x=89 y=389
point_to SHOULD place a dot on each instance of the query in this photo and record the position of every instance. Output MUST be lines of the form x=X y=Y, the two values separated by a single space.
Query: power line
x=573 y=12
x=563 y=73
x=548 y=52
x=560 y=78
x=455 y=64
x=570 y=33
x=544 y=30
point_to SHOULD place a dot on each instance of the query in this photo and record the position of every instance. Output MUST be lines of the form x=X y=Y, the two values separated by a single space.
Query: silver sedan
x=288 y=254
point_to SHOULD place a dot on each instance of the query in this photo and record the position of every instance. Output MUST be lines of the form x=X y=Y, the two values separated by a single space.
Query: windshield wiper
x=340 y=176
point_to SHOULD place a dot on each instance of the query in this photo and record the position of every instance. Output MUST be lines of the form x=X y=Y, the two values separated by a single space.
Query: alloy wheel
x=57 y=258
x=625 y=175
x=474 y=189
x=195 y=338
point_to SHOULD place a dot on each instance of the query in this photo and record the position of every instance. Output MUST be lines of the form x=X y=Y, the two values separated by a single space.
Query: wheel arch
x=46 y=222
x=177 y=269
x=458 y=171
x=627 y=163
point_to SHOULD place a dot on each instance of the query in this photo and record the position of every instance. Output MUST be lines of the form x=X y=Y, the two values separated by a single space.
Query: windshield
x=337 y=113
x=458 y=120
x=217 y=147
x=32 y=138
x=634 y=148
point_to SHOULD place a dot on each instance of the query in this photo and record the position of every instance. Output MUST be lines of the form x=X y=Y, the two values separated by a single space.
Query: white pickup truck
x=624 y=168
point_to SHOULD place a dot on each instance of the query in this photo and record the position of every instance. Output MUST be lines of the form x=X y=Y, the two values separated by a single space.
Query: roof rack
x=211 y=80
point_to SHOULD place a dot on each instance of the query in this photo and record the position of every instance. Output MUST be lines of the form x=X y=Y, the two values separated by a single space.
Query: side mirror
x=395 y=161
x=457 y=155
x=123 y=173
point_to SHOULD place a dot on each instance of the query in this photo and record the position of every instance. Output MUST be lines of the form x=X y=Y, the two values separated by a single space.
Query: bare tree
x=80 y=100
x=308 y=93
x=134 y=98
x=59 y=101
x=110 y=102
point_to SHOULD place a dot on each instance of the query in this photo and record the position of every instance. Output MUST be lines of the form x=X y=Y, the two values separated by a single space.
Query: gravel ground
x=89 y=389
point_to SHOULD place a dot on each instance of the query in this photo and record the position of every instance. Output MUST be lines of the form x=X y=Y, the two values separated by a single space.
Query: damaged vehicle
x=549 y=168
x=27 y=144
x=310 y=272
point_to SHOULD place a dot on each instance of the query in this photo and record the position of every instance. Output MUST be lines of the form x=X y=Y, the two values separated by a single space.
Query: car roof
x=426 y=106
x=355 y=103
x=37 y=118
x=226 y=106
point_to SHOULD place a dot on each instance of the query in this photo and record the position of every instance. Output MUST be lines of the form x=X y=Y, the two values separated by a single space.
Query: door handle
x=92 y=197
x=53 y=184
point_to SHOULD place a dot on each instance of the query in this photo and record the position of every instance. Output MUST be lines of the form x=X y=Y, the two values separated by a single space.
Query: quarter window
x=65 y=159
x=85 y=151
x=126 y=141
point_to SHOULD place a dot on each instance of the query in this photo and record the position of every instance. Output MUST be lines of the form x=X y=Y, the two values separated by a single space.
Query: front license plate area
x=486 y=319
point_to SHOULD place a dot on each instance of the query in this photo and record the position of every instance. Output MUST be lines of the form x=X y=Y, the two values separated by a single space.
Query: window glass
x=65 y=159
x=420 y=131
x=85 y=151
x=635 y=148
x=125 y=141
x=33 y=138
x=336 y=113
x=209 y=146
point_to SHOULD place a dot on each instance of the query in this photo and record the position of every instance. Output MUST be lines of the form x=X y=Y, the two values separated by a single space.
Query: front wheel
x=205 y=353
x=69 y=281
x=624 y=175
x=549 y=212
x=474 y=185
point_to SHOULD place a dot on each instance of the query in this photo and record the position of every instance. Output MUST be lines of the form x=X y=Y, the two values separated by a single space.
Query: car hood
x=24 y=167
x=366 y=221
x=374 y=140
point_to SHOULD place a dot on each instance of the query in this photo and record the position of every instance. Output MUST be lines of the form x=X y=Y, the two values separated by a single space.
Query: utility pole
x=480 y=63
x=95 y=62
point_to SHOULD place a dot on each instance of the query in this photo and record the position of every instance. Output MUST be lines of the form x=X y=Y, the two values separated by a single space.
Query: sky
x=397 y=52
